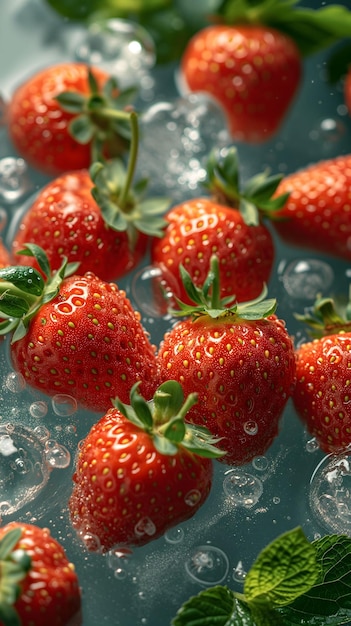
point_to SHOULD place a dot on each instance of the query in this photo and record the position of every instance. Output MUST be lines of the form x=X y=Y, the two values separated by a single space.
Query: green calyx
x=164 y=419
x=14 y=566
x=23 y=290
x=123 y=206
x=256 y=196
x=311 y=29
x=207 y=301
x=327 y=317
x=102 y=118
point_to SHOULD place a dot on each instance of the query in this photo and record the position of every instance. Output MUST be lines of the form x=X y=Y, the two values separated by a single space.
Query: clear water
x=294 y=483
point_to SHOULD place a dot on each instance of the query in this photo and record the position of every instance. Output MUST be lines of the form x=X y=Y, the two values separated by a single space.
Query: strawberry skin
x=322 y=393
x=67 y=222
x=201 y=227
x=244 y=373
x=49 y=593
x=88 y=342
x=127 y=491
x=317 y=214
x=253 y=71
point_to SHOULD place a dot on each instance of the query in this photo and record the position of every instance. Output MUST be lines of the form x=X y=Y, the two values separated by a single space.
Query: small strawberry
x=66 y=116
x=95 y=218
x=39 y=585
x=322 y=393
x=317 y=212
x=226 y=224
x=250 y=60
x=141 y=470
x=239 y=358
x=76 y=334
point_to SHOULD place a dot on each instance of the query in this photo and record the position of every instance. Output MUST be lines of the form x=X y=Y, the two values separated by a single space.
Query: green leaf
x=23 y=277
x=175 y=430
x=9 y=615
x=168 y=400
x=13 y=305
x=33 y=250
x=249 y=212
x=8 y=542
x=217 y=606
x=283 y=571
x=164 y=445
x=71 y=101
x=141 y=408
x=82 y=129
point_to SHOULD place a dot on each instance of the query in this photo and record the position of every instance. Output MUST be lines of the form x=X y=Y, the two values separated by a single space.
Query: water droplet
x=15 y=382
x=153 y=288
x=14 y=180
x=251 y=427
x=38 y=409
x=207 y=565
x=192 y=497
x=305 y=279
x=312 y=445
x=91 y=542
x=56 y=455
x=145 y=526
x=276 y=500
x=330 y=493
x=239 y=574
x=260 y=463
x=120 y=573
x=42 y=433
x=174 y=535
x=242 y=488
x=64 y=405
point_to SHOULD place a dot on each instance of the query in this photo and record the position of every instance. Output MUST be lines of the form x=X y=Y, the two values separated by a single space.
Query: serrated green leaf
x=175 y=430
x=257 y=310
x=112 y=215
x=217 y=606
x=23 y=277
x=142 y=409
x=249 y=212
x=13 y=305
x=71 y=101
x=33 y=250
x=164 y=446
x=8 y=542
x=154 y=206
x=283 y=571
x=82 y=129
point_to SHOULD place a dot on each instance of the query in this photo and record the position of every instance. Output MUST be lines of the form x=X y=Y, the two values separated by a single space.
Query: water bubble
x=260 y=463
x=251 y=427
x=14 y=181
x=15 y=382
x=174 y=535
x=192 y=497
x=42 y=433
x=328 y=131
x=276 y=500
x=64 y=404
x=330 y=493
x=145 y=526
x=242 y=488
x=239 y=574
x=56 y=455
x=312 y=445
x=38 y=409
x=306 y=278
x=91 y=541
x=207 y=565
x=153 y=289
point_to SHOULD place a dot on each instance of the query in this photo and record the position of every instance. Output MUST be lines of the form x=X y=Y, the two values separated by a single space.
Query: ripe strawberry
x=322 y=393
x=141 y=470
x=77 y=335
x=228 y=224
x=94 y=218
x=66 y=115
x=38 y=584
x=317 y=212
x=240 y=359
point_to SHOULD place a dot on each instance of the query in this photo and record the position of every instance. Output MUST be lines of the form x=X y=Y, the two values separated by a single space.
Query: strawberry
x=240 y=359
x=39 y=585
x=141 y=470
x=67 y=115
x=250 y=59
x=316 y=214
x=228 y=224
x=76 y=334
x=322 y=396
x=5 y=258
x=94 y=217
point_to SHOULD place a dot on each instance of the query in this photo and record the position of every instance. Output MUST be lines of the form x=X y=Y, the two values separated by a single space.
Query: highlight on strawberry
x=74 y=334
x=97 y=217
x=250 y=59
x=322 y=393
x=38 y=584
x=229 y=224
x=67 y=116
x=141 y=470
x=239 y=357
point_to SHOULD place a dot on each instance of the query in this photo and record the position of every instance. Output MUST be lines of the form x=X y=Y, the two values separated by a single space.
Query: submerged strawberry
x=76 y=334
x=141 y=470
x=67 y=116
x=239 y=358
x=39 y=585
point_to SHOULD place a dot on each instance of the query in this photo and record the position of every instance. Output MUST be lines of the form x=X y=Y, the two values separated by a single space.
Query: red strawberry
x=240 y=359
x=227 y=224
x=141 y=470
x=38 y=584
x=100 y=222
x=317 y=212
x=5 y=259
x=252 y=70
x=322 y=393
x=61 y=118
x=77 y=335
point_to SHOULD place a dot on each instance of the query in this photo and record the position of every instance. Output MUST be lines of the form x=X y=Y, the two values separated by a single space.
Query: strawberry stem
x=133 y=155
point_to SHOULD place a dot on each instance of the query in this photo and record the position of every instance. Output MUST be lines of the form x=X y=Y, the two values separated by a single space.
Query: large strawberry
x=317 y=213
x=77 y=335
x=322 y=393
x=240 y=358
x=226 y=223
x=66 y=116
x=39 y=586
x=141 y=470
x=94 y=217
x=250 y=60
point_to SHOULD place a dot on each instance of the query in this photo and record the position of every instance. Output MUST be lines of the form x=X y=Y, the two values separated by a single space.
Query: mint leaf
x=283 y=571
x=217 y=606
x=328 y=602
